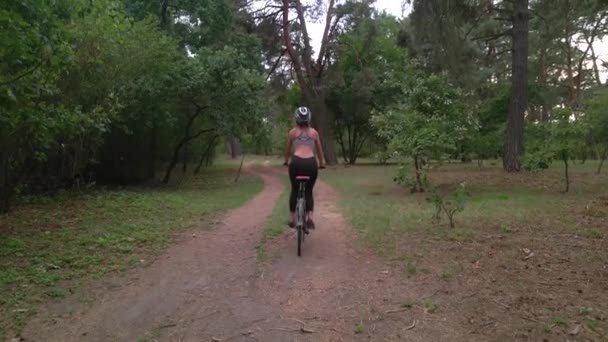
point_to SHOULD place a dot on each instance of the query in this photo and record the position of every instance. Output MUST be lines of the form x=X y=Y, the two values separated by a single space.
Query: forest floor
x=525 y=262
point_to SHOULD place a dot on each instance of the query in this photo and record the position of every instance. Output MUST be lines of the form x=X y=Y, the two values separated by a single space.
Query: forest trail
x=212 y=288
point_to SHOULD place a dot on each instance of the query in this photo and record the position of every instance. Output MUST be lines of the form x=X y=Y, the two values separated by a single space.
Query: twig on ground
x=306 y=331
x=529 y=319
x=295 y=320
x=301 y=330
x=501 y=304
x=470 y=295
x=338 y=331
x=169 y=325
x=486 y=324
x=396 y=310
x=411 y=326
x=481 y=326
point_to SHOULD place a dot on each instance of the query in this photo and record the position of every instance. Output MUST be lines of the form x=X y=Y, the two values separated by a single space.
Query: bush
x=449 y=204
x=536 y=161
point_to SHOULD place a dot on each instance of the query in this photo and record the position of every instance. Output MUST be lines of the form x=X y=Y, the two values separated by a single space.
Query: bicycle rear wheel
x=300 y=240
x=300 y=222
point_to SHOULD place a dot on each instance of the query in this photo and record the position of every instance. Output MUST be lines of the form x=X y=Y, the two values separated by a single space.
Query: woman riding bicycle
x=304 y=147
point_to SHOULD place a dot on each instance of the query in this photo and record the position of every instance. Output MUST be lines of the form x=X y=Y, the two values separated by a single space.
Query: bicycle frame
x=301 y=212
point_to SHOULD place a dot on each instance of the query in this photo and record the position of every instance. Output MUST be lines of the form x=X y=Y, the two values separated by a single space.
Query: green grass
x=380 y=210
x=359 y=328
x=47 y=246
x=276 y=224
x=505 y=229
x=430 y=307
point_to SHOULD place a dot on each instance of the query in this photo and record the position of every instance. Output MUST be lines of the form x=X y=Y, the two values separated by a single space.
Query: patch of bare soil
x=203 y=284
x=535 y=283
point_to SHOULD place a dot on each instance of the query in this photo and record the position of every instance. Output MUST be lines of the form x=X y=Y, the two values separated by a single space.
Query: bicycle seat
x=302 y=178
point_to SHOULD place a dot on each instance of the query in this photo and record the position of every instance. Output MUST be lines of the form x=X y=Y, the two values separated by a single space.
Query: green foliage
x=567 y=137
x=359 y=328
x=596 y=119
x=538 y=153
x=366 y=76
x=418 y=182
x=561 y=139
x=98 y=88
x=450 y=204
x=537 y=161
x=430 y=123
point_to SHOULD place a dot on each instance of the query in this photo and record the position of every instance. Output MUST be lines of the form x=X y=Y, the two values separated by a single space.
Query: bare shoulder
x=293 y=132
x=314 y=133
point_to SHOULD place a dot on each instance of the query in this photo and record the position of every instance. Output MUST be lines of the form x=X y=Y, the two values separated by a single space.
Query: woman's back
x=303 y=141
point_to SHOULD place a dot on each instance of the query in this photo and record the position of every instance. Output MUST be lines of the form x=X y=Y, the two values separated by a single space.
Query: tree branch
x=295 y=59
x=307 y=55
x=326 y=31
x=199 y=133
x=276 y=64
x=17 y=78
x=494 y=36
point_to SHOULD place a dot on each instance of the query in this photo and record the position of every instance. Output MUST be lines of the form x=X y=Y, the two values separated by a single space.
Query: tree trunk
x=238 y=174
x=185 y=159
x=309 y=72
x=565 y=158
x=205 y=156
x=322 y=123
x=164 y=20
x=235 y=147
x=418 y=178
x=602 y=159
x=6 y=188
x=152 y=152
x=542 y=80
x=173 y=162
x=596 y=70
x=519 y=93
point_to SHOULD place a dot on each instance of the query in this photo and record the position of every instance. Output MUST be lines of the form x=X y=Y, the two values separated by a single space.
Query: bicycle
x=301 y=221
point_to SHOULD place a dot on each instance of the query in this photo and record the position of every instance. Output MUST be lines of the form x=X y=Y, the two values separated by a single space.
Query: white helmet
x=302 y=115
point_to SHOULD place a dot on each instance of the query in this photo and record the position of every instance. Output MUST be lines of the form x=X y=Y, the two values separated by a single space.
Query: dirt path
x=211 y=288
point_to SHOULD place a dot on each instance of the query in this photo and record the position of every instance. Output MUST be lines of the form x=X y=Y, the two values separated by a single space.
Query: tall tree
x=309 y=71
x=513 y=147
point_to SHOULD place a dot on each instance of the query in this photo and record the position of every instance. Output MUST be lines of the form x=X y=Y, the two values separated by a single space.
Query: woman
x=304 y=147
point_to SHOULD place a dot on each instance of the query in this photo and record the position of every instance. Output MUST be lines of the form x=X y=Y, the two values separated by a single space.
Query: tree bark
x=164 y=4
x=513 y=147
x=418 y=178
x=235 y=147
x=6 y=188
x=602 y=159
x=542 y=80
x=185 y=158
x=596 y=70
x=152 y=152
x=206 y=154
x=565 y=158
x=185 y=139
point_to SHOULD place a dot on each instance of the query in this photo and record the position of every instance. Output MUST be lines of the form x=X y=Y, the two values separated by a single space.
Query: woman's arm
x=319 y=148
x=288 y=147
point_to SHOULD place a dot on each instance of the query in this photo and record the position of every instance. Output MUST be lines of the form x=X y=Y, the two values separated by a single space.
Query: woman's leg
x=312 y=172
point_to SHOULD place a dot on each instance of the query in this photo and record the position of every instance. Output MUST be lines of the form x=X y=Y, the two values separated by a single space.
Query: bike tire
x=300 y=222
x=300 y=240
